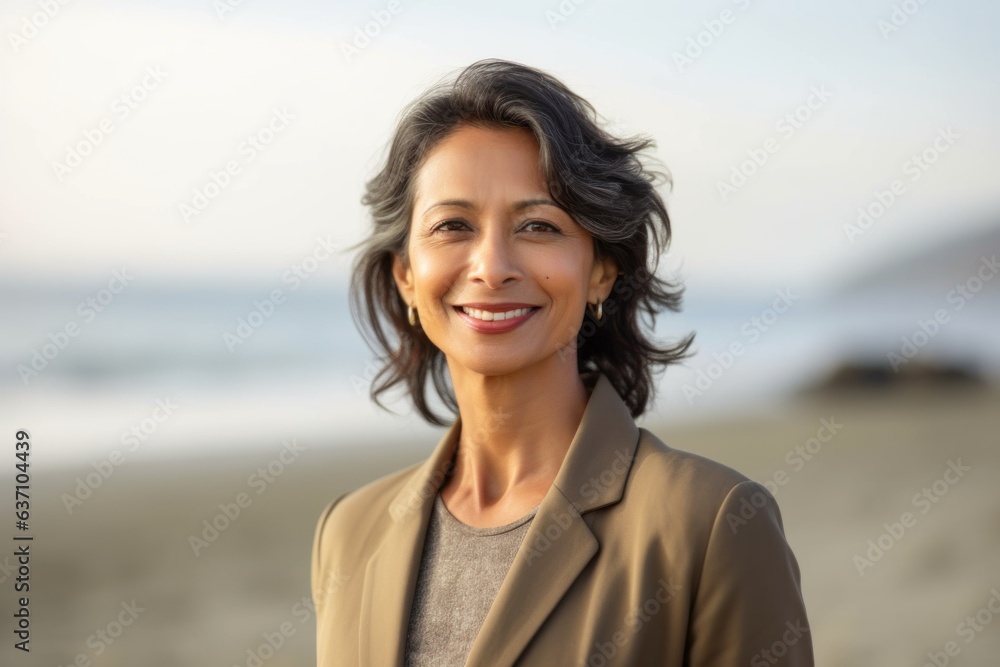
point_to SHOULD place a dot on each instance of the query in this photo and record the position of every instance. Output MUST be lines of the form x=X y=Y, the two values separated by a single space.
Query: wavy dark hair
x=602 y=181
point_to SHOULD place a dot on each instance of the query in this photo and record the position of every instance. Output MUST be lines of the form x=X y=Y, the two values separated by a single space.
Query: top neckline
x=478 y=531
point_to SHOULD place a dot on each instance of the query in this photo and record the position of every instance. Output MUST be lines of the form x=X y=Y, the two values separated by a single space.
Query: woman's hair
x=602 y=182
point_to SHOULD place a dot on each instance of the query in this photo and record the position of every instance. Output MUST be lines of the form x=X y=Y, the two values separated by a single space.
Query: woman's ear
x=602 y=279
x=403 y=276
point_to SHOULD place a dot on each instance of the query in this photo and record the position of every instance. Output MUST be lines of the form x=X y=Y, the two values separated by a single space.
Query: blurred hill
x=929 y=316
x=927 y=269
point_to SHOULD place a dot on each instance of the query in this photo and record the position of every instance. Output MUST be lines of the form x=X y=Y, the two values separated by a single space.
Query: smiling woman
x=501 y=258
x=514 y=248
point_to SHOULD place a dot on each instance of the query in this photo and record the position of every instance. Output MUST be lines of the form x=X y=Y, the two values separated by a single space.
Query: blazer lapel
x=391 y=575
x=560 y=543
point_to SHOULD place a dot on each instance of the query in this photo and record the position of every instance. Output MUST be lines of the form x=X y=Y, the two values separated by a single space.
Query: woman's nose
x=493 y=262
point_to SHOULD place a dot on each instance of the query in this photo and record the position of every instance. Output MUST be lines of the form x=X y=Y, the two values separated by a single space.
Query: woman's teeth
x=489 y=316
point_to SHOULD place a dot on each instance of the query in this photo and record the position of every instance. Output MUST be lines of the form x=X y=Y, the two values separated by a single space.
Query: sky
x=162 y=95
x=205 y=144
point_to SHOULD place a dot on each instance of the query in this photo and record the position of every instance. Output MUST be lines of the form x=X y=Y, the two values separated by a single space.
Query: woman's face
x=498 y=273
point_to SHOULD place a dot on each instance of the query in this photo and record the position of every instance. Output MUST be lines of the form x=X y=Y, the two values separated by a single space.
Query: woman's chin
x=489 y=363
x=496 y=362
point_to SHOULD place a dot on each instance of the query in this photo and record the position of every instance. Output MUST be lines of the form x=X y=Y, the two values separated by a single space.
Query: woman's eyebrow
x=518 y=206
x=540 y=201
x=461 y=203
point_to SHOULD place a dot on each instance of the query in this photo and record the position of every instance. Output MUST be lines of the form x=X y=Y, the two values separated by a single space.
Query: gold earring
x=600 y=311
x=411 y=314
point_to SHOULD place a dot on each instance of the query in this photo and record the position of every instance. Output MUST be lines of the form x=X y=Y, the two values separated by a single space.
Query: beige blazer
x=639 y=554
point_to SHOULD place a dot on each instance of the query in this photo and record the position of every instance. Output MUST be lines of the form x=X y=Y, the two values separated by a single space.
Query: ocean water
x=162 y=371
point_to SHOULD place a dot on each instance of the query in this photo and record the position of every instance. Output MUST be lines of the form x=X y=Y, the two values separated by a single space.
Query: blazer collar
x=556 y=548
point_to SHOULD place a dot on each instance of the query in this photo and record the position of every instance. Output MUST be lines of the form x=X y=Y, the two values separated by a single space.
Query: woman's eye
x=540 y=226
x=450 y=225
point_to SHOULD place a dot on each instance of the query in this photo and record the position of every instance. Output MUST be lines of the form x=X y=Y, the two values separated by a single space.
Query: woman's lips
x=496 y=326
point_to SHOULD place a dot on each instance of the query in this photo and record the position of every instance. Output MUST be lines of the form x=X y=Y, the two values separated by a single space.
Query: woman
x=514 y=248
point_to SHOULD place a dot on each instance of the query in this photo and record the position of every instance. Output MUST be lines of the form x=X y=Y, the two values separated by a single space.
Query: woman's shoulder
x=700 y=513
x=697 y=489
x=685 y=471
x=363 y=513
x=367 y=502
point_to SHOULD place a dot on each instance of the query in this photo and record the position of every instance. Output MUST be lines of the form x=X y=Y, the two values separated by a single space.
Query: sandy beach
x=132 y=578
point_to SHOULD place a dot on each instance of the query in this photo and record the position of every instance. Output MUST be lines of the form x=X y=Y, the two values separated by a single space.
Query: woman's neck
x=516 y=430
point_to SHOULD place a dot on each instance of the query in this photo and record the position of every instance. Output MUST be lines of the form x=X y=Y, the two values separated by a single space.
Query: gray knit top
x=460 y=573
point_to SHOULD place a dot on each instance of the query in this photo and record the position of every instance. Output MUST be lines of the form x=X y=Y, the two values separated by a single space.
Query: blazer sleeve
x=748 y=607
